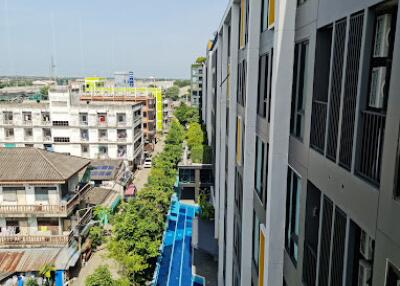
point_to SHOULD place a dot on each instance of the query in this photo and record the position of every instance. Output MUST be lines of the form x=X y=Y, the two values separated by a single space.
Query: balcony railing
x=18 y=240
x=33 y=209
x=371 y=144
x=8 y=121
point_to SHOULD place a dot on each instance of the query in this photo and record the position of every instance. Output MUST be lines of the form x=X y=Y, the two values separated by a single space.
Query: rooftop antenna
x=52 y=69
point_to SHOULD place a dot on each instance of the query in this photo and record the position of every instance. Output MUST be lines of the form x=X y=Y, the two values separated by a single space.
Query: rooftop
x=31 y=165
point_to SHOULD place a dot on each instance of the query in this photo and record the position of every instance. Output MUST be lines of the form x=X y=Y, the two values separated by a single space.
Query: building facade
x=196 y=74
x=65 y=124
x=303 y=117
x=42 y=213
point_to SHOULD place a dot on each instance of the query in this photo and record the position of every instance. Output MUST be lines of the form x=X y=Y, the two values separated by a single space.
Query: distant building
x=196 y=74
x=67 y=125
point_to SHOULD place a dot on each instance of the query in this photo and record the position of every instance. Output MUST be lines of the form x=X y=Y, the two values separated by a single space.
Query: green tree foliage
x=31 y=282
x=194 y=135
x=201 y=60
x=139 y=225
x=100 y=277
x=172 y=93
x=182 y=83
x=44 y=90
x=186 y=114
x=46 y=272
x=96 y=235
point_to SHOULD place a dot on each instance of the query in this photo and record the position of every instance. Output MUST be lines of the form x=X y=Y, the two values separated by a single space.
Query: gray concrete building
x=301 y=106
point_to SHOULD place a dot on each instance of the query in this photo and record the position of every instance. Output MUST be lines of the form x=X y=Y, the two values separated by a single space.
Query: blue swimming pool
x=175 y=264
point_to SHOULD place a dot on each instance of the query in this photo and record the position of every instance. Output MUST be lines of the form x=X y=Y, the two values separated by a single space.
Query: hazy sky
x=97 y=37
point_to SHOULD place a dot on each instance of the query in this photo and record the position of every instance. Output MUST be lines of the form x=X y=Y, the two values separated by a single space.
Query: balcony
x=371 y=144
x=18 y=240
x=61 y=210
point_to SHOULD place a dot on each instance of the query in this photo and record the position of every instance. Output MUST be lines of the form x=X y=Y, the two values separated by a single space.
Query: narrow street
x=141 y=175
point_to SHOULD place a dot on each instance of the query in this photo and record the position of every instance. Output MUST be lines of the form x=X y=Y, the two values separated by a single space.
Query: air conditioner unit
x=377 y=91
x=366 y=246
x=364 y=273
x=382 y=32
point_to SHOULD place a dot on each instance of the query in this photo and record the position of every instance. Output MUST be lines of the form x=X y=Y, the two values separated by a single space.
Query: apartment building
x=95 y=130
x=196 y=76
x=40 y=195
x=303 y=117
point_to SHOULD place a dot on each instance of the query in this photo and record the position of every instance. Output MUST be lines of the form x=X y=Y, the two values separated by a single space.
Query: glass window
x=256 y=240
x=42 y=194
x=292 y=215
x=259 y=168
x=299 y=89
x=238 y=140
x=264 y=15
x=9 y=194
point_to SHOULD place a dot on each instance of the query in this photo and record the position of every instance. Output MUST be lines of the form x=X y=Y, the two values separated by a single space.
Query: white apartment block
x=93 y=130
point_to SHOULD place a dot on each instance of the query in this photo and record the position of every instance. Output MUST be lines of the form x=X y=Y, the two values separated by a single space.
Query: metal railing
x=18 y=240
x=33 y=209
x=371 y=145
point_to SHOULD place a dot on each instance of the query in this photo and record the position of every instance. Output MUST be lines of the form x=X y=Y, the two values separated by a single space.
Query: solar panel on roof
x=101 y=174
x=108 y=173
x=104 y=167
x=110 y=167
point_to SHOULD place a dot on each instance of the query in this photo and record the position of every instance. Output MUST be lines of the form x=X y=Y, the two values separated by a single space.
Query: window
x=242 y=71
x=264 y=83
x=392 y=275
x=103 y=134
x=103 y=150
x=61 y=139
x=10 y=194
x=8 y=116
x=83 y=118
x=121 y=134
x=264 y=15
x=300 y=2
x=84 y=134
x=186 y=176
x=45 y=117
x=292 y=215
x=28 y=133
x=85 y=148
x=27 y=117
x=256 y=240
x=121 y=118
x=259 y=169
x=239 y=191
x=42 y=194
x=121 y=151
x=9 y=132
x=46 y=134
x=144 y=125
x=60 y=123
x=299 y=89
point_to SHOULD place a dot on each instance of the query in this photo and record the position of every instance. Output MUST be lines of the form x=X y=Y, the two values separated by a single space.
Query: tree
x=186 y=114
x=100 y=277
x=44 y=90
x=31 y=282
x=172 y=93
x=182 y=83
x=201 y=60
x=194 y=135
x=96 y=235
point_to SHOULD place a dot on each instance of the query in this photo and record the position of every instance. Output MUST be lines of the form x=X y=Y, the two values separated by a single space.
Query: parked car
x=147 y=163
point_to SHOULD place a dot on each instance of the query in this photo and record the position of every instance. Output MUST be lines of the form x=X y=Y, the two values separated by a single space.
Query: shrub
x=100 y=277
x=96 y=235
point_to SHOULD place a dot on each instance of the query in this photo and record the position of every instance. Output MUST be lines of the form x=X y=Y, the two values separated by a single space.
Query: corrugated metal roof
x=27 y=165
x=27 y=259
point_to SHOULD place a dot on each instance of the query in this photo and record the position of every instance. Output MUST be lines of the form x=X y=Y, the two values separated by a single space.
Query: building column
x=253 y=55
x=235 y=16
x=285 y=15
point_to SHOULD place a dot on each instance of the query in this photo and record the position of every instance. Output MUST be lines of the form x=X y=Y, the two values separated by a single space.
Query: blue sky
x=97 y=37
